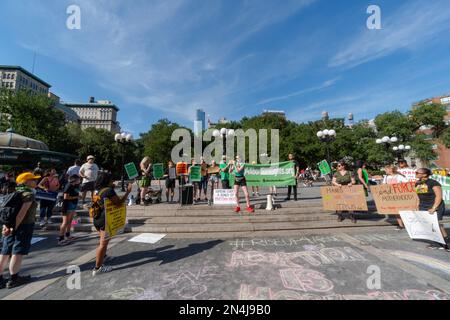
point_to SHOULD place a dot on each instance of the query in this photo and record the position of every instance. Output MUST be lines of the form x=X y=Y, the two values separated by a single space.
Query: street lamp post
x=327 y=136
x=225 y=133
x=401 y=150
x=123 y=139
x=387 y=142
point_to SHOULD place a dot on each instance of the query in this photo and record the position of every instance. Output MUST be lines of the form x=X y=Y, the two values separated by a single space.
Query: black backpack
x=10 y=206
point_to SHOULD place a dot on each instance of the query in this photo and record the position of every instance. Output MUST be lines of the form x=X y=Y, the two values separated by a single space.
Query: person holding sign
x=105 y=187
x=170 y=181
x=343 y=177
x=430 y=196
x=146 y=182
x=214 y=177
x=238 y=170
x=204 y=178
x=394 y=177
x=224 y=173
x=195 y=180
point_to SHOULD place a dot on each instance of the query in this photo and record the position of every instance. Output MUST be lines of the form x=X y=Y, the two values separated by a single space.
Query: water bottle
x=130 y=200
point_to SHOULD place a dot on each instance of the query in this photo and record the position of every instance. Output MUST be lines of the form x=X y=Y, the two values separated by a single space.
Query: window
x=12 y=76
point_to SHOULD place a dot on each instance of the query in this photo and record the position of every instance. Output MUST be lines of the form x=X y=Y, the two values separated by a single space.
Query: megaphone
x=270 y=202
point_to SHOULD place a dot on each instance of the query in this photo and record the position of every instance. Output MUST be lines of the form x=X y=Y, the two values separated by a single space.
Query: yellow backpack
x=97 y=206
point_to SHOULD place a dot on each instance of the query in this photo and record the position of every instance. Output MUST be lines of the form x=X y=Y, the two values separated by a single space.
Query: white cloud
x=414 y=25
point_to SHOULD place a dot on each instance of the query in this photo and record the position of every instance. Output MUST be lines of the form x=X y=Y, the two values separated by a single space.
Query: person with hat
x=16 y=241
x=89 y=172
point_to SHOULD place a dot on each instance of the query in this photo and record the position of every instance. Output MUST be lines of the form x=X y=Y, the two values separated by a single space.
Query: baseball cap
x=24 y=177
x=90 y=157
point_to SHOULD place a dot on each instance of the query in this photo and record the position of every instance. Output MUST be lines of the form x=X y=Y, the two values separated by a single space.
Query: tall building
x=443 y=154
x=70 y=115
x=100 y=114
x=16 y=78
x=200 y=122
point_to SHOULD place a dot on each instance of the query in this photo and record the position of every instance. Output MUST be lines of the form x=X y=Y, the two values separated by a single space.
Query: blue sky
x=233 y=58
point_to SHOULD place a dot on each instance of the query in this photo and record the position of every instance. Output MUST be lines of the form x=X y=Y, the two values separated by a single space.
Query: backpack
x=97 y=206
x=10 y=206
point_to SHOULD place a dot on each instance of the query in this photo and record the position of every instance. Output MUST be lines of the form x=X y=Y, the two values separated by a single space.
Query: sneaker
x=42 y=223
x=433 y=246
x=250 y=210
x=444 y=247
x=399 y=228
x=19 y=281
x=63 y=242
x=237 y=209
x=102 y=269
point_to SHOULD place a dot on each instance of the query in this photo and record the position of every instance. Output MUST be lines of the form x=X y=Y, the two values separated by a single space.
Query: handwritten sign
x=182 y=169
x=410 y=174
x=224 y=197
x=422 y=226
x=393 y=198
x=115 y=218
x=345 y=198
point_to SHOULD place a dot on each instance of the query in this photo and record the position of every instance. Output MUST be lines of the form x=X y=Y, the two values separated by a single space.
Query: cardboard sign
x=182 y=169
x=196 y=174
x=345 y=198
x=158 y=170
x=214 y=170
x=131 y=170
x=116 y=218
x=393 y=198
x=172 y=173
x=410 y=174
x=224 y=197
x=422 y=226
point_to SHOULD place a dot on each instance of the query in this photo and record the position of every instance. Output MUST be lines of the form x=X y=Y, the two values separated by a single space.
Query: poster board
x=422 y=226
x=181 y=169
x=445 y=182
x=409 y=173
x=115 y=218
x=214 y=170
x=345 y=198
x=158 y=170
x=324 y=167
x=195 y=175
x=393 y=198
x=172 y=173
x=131 y=170
x=224 y=197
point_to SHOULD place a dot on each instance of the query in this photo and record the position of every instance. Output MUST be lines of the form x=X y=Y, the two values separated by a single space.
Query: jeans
x=46 y=209
x=290 y=190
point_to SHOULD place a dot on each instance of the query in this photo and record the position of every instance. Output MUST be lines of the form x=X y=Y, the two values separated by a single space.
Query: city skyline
x=233 y=60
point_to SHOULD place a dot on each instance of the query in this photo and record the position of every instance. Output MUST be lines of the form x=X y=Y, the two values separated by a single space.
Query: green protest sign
x=268 y=175
x=324 y=167
x=196 y=174
x=131 y=170
x=158 y=170
x=445 y=182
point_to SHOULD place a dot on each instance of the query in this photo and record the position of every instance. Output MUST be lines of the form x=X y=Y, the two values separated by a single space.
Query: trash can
x=187 y=194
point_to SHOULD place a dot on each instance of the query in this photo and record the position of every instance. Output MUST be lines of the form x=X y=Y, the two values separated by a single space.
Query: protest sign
x=224 y=197
x=422 y=225
x=324 y=167
x=268 y=175
x=45 y=195
x=131 y=170
x=195 y=175
x=115 y=218
x=158 y=170
x=409 y=173
x=172 y=173
x=392 y=198
x=214 y=170
x=445 y=182
x=181 y=169
x=345 y=198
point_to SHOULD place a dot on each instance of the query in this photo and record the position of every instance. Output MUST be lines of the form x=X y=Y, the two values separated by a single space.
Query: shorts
x=170 y=184
x=18 y=243
x=240 y=181
x=204 y=183
x=69 y=207
x=145 y=182
x=88 y=186
x=214 y=179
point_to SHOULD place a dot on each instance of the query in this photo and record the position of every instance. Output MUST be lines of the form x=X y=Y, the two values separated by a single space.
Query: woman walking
x=69 y=208
x=431 y=200
x=394 y=177
x=343 y=177
x=238 y=169
x=50 y=183
x=170 y=182
x=146 y=167
x=105 y=188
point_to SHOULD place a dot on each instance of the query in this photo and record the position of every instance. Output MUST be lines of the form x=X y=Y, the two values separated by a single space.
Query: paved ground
x=324 y=266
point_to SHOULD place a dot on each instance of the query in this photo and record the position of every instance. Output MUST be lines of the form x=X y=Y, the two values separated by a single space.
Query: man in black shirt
x=297 y=172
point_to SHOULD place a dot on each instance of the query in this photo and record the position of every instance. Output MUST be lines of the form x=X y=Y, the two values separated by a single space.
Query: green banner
x=131 y=170
x=269 y=175
x=324 y=167
x=445 y=182
x=196 y=174
x=158 y=170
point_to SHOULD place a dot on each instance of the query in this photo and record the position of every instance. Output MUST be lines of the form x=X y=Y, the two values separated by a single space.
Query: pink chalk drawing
x=305 y=280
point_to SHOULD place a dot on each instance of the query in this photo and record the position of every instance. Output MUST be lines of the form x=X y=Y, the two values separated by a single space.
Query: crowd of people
x=81 y=179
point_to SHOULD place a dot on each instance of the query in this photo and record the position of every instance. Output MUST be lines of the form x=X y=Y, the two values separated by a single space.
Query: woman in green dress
x=343 y=177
